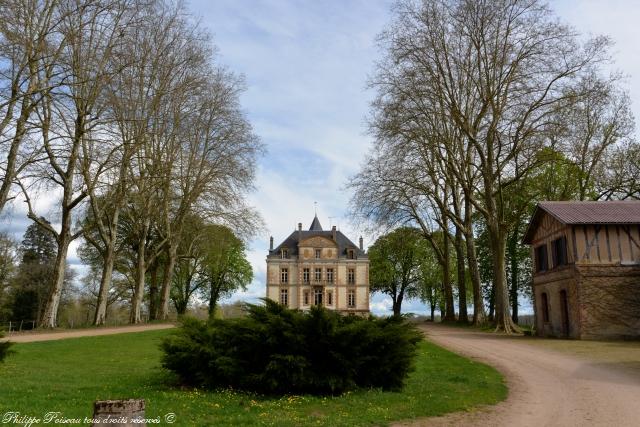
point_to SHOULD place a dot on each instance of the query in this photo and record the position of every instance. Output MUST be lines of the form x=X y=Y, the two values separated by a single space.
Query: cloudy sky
x=306 y=65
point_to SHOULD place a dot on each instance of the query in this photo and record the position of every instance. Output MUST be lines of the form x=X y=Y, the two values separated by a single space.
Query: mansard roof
x=342 y=241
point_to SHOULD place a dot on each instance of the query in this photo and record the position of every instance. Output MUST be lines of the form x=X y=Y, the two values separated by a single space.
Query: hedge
x=275 y=350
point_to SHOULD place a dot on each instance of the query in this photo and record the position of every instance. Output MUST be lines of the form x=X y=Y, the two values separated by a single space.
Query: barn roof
x=587 y=212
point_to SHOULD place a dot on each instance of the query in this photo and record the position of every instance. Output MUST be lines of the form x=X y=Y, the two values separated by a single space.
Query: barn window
x=559 y=251
x=545 y=307
x=542 y=263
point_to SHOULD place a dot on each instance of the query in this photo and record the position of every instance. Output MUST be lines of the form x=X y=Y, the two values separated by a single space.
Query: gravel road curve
x=546 y=387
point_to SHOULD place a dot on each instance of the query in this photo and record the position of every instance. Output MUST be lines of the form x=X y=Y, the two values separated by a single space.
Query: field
x=66 y=376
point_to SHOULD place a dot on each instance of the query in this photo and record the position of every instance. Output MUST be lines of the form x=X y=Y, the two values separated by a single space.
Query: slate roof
x=588 y=212
x=315 y=224
x=292 y=241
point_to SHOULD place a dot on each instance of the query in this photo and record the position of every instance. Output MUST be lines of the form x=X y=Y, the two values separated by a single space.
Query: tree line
x=119 y=111
x=481 y=109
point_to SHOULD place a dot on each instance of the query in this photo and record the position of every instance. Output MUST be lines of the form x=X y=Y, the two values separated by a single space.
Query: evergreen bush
x=275 y=350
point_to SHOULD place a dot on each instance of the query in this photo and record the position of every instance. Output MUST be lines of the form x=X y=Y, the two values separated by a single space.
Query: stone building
x=318 y=267
x=586 y=278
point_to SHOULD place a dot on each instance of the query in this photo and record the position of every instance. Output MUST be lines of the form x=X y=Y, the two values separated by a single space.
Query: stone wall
x=553 y=283
x=610 y=301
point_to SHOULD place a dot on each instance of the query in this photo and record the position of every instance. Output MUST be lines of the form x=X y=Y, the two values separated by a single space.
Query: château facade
x=318 y=267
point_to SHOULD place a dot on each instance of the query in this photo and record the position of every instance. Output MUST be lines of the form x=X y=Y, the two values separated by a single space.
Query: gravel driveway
x=89 y=332
x=546 y=387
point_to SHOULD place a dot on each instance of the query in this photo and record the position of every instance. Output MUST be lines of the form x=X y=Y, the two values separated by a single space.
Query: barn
x=586 y=269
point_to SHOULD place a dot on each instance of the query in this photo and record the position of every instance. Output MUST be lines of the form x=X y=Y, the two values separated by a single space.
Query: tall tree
x=498 y=73
x=225 y=267
x=396 y=265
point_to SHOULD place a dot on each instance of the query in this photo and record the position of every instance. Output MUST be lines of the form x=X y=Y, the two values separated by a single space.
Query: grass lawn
x=68 y=375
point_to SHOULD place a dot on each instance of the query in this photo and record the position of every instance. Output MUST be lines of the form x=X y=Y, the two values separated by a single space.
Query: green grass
x=68 y=375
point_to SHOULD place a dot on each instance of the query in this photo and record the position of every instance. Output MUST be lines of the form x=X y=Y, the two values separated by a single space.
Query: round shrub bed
x=275 y=350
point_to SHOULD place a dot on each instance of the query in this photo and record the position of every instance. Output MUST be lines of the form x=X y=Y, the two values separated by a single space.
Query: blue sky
x=306 y=65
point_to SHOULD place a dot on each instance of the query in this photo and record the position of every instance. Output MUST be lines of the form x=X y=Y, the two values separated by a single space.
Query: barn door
x=564 y=308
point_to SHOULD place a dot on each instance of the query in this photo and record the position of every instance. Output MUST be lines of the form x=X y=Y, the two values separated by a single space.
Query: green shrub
x=4 y=348
x=275 y=350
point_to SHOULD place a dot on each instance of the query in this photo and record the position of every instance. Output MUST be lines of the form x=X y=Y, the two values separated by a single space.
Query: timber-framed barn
x=586 y=268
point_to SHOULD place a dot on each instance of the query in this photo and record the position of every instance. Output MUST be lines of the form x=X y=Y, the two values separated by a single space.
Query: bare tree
x=477 y=85
x=69 y=115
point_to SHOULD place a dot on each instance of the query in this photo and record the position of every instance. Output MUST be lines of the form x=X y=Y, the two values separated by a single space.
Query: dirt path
x=546 y=387
x=89 y=332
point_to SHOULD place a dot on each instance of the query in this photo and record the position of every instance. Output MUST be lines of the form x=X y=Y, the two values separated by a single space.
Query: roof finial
x=315 y=208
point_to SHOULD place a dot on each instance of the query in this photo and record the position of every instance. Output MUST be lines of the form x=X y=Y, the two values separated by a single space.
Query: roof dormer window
x=284 y=253
x=351 y=254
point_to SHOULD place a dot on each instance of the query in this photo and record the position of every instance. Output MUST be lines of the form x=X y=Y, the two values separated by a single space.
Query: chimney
x=361 y=245
x=299 y=226
x=271 y=243
x=333 y=233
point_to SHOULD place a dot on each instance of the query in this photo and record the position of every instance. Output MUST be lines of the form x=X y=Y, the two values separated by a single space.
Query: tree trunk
x=450 y=313
x=502 y=319
x=513 y=261
x=213 y=300
x=461 y=275
x=492 y=302
x=172 y=255
x=141 y=269
x=472 y=261
x=49 y=317
x=433 y=311
x=153 y=292
x=397 y=304
x=105 y=285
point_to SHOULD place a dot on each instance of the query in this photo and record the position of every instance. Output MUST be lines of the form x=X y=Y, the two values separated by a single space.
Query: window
x=351 y=254
x=330 y=275
x=318 y=274
x=318 y=253
x=284 y=297
x=284 y=253
x=545 y=307
x=305 y=298
x=542 y=263
x=317 y=297
x=329 y=298
x=351 y=299
x=351 y=276
x=305 y=275
x=559 y=252
x=284 y=275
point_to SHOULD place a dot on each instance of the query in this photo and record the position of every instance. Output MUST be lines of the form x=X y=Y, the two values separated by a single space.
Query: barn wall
x=552 y=284
x=610 y=301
